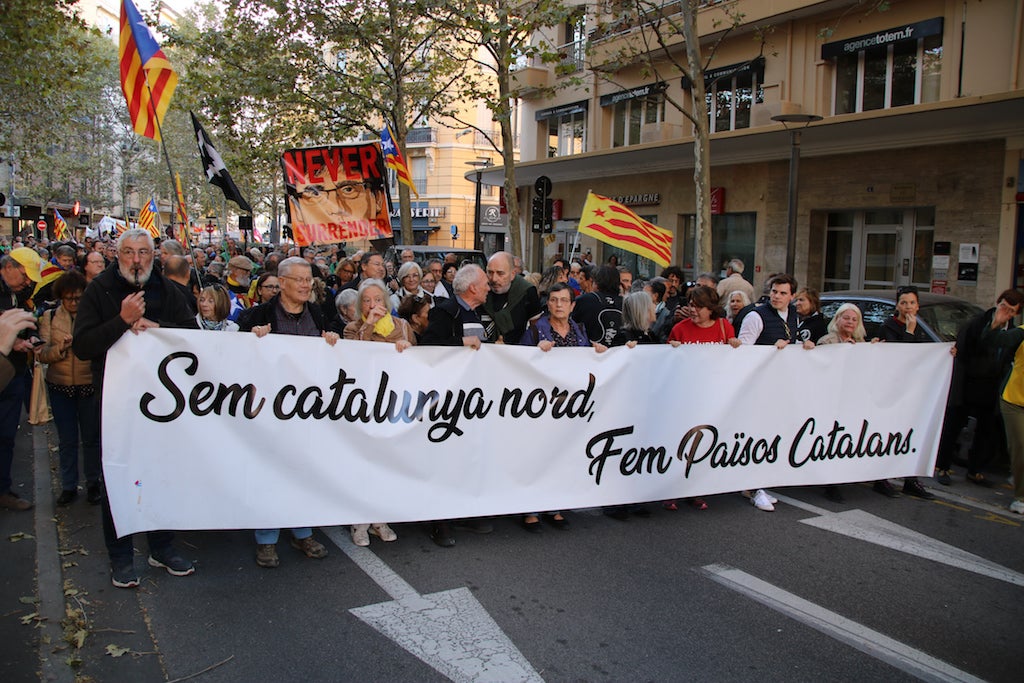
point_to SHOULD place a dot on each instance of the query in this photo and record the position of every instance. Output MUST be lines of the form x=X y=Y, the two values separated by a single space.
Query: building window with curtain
x=630 y=116
x=565 y=128
x=891 y=68
x=730 y=101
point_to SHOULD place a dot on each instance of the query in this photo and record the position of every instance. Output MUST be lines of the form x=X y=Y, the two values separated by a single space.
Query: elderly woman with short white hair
x=374 y=322
x=409 y=276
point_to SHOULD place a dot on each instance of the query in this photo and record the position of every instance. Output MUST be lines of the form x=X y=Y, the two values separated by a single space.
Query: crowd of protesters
x=65 y=305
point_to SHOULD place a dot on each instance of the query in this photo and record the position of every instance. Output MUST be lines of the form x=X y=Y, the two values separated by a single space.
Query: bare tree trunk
x=701 y=145
x=508 y=149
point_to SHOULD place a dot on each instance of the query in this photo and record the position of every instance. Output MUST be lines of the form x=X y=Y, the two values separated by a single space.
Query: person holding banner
x=511 y=303
x=600 y=310
x=903 y=328
x=130 y=297
x=455 y=322
x=288 y=313
x=555 y=329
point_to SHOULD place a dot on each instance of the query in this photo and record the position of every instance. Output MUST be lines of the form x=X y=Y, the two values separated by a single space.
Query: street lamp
x=480 y=165
x=794 y=177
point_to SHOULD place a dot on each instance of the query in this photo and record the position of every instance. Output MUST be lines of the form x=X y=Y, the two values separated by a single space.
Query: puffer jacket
x=65 y=368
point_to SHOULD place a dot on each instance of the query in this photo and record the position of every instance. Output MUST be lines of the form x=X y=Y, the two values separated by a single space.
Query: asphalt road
x=870 y=590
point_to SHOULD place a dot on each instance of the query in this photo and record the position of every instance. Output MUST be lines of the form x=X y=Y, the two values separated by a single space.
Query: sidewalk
x=83 y=627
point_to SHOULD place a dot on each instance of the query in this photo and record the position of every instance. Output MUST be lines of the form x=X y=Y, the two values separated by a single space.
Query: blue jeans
x=74 y=417
x=12 y=398
x=270 y=536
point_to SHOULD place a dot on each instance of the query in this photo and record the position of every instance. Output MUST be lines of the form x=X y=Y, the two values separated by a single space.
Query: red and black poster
x=336 y=193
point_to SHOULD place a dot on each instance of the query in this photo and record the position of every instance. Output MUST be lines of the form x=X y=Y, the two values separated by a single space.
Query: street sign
x=41 y=225
x=543 y=186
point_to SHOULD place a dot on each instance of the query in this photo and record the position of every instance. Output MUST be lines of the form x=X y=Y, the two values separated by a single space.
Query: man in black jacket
x=129 y=296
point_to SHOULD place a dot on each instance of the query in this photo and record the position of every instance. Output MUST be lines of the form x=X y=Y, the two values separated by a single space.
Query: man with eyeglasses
x=131 y=297
x=371 y=267
x=20 y=271
x=288 y=313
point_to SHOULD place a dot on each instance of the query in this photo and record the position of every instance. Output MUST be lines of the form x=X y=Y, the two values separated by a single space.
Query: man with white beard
x=131 y=297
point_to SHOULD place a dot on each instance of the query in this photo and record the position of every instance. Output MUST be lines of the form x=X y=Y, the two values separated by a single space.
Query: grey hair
x=407 y=268
x=134 y=234
x=736 y=266
x=292 y=262
x=859 y=334
x=743 y=296
x=379 y=284
x=173 y=246
x=636 y=311
x=346 y=297
x=465 y=277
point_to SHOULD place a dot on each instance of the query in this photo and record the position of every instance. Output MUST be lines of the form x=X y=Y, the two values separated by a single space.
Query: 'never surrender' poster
x=336 y=193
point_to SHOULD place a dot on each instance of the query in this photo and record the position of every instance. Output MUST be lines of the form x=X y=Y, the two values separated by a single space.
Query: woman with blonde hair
x=214 y=308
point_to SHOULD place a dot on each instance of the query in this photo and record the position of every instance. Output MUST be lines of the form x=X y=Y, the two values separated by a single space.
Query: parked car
x=941 y=316
x=425 y=252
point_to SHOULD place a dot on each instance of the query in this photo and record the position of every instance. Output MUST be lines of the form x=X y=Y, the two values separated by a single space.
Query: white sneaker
x=359 y=535
x=762 y=501
x=1017 y=506
x=383 y=532
x=772 y=498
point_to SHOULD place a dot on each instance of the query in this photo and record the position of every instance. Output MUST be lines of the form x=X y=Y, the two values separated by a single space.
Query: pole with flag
x=612 y=223
x=182 y=214
x=60 y=226
x=216 y=172
x=393 y=159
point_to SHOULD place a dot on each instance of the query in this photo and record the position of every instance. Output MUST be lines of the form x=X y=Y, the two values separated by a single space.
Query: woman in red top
x=707 y=323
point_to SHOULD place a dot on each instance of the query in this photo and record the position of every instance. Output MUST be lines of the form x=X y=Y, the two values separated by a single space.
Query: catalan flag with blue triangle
x=147 y=78
x=393 y=160
x=60 y=227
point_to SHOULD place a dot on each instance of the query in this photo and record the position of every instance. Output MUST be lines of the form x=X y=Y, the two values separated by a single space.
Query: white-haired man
x=132 y=297
x=734 y=282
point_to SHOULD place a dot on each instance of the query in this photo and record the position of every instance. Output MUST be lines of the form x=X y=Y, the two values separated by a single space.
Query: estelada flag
x=147 y=218
x=614 y=224
x=60 y=226
x=147 y=79
x=336 y=193
x=393 y=159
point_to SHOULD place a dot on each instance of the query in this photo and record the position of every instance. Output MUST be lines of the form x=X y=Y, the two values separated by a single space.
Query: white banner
x=209 y=430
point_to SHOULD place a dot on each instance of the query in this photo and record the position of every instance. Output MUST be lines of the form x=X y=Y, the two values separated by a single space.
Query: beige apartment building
x=912 y=175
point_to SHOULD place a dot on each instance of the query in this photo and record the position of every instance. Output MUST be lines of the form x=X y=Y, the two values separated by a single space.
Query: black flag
x=216 y=172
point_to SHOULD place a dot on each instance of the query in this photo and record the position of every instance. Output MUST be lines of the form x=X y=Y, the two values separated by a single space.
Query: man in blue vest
x=773 y=323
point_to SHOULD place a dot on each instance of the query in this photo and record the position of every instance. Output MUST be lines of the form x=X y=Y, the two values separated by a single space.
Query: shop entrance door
x=870 y=249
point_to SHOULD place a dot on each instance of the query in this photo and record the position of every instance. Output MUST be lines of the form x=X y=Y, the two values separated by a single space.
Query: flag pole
x=163 y=146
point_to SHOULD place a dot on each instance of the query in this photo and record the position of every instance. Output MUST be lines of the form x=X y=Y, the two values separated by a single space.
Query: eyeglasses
x=270 y=286
x=347 y=190
x=132 y=253
x=71 y=297
x=300 y=280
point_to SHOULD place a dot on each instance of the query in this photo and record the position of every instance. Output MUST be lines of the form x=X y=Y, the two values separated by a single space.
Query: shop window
x=885 y=76
x=733 y=235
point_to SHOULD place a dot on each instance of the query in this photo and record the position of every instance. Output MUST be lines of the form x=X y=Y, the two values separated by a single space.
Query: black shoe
x=94 y=493
x=834 y=494
x=912 y=487
x=477 y=526
x=944 y=477
x=124 y=576
x=442 y=535
x=169 y=559
x=533 y=527
x=641 y=511
x=885 y=488
x=66 y=497
x=560 y=524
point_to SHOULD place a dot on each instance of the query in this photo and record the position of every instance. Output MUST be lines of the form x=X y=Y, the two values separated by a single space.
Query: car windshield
x=947 y=317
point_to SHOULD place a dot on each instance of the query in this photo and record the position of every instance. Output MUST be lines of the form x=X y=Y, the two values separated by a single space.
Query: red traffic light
x=77 y=208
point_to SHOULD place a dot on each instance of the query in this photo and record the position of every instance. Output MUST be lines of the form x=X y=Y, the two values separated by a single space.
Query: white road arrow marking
x=868 y=641
x=449 y=631
x=873 y=529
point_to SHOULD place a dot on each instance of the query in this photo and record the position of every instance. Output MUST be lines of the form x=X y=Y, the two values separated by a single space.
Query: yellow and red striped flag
x=182 y=215
x=393 y=160
x=147 y=78
x=147 y=218
x=60 y=227
x=612 y=223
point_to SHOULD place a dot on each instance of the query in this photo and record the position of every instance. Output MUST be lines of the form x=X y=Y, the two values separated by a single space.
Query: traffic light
x=537 y=214
x=548 y=223
x=77 y=208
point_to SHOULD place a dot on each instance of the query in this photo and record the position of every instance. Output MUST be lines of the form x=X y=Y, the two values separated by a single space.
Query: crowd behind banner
x=666 y=398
